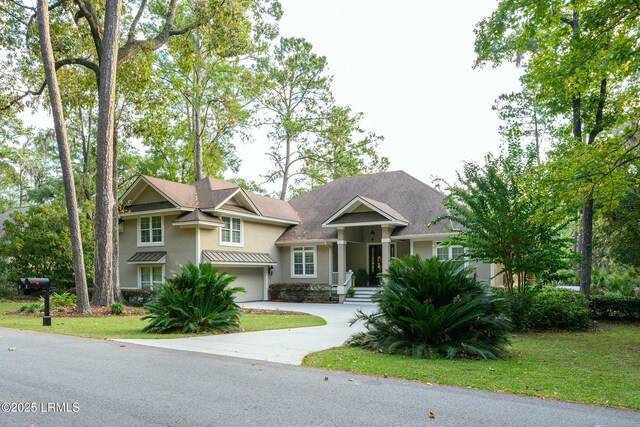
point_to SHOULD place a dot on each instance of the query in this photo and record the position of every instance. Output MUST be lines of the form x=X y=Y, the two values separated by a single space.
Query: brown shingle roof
x=197 y=215
x=208 y=193
x=414 y=200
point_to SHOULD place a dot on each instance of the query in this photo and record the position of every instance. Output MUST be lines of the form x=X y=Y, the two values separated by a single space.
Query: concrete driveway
x=288 y=346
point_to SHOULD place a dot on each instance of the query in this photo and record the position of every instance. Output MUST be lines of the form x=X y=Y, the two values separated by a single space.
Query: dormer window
x=231 y=232
x=150 y=231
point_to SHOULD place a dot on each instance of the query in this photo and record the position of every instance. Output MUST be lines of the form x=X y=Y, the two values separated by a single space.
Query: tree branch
x=59 y=64
x=132 y=30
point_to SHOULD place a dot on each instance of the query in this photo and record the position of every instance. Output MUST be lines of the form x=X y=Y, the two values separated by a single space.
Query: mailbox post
x=38 y=286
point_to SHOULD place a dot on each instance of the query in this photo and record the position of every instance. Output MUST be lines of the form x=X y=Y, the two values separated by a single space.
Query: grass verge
x=601 y=367
x=131 y=326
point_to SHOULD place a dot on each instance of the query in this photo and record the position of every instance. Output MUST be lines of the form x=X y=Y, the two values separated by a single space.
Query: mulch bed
x=135 y=311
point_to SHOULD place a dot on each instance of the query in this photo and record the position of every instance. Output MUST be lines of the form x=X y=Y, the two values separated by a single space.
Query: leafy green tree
x=342 y=148
x=580 y=59
x=497 y=220
x=619 y=228
x=313 y=140
x=431 y=308
x=36 y=243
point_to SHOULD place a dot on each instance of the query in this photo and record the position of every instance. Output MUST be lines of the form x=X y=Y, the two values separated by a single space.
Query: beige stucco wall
x=483 y=271
x=322 y=266
x=179 y=245
x=149 y=195
x=424 y=248
x=403 y=248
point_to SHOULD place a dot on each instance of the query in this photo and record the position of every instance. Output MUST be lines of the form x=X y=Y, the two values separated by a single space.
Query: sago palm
x=430 y=308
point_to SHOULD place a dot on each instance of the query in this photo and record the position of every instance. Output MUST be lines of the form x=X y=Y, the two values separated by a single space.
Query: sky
x=407 y=65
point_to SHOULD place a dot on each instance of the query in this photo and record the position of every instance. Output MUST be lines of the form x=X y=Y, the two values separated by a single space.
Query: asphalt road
x=96 y=382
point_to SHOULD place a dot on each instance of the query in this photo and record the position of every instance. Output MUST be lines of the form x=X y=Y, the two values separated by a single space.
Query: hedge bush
x=615 y=307
x=557 y=308
x=547 y=307
x=300 y=292
x=138 y=297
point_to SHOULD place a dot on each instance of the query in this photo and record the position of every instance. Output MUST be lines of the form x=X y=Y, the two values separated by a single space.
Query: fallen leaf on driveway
x=326 y=378
x=122 y=345
x=12 y=349
x=432 y=414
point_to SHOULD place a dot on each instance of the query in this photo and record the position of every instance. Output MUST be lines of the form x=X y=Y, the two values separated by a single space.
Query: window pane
x=236 y=236
x=157 y=235
x=457 y=252
x=145 y=236
x=442 y=253
x=297 y=269
x=226 y=235
x=309 y=269
x=144 y=223
x=297 y=257
x=156 y=222
x=157 y=274
x=235 y=223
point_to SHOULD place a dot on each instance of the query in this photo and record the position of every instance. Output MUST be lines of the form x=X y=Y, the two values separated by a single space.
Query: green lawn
x=131 y=326
x=591 y=367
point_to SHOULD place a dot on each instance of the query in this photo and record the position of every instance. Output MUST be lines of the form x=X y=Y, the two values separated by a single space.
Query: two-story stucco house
x=349 y=224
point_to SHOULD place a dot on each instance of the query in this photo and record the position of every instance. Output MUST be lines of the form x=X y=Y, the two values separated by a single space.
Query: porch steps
x=362 y=296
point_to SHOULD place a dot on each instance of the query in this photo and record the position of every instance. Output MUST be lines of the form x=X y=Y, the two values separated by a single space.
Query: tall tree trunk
x=117 y=293
x=65 y=158
x=197 y=131
x=587 y=247
x=285 y=171
x=587 y=212
x=104 y=162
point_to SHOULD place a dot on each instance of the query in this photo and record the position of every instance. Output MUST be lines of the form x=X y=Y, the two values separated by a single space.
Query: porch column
x=386 y=246
x=342 y=257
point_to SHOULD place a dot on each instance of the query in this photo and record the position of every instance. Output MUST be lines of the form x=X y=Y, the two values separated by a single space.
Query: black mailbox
x=33 y=285
x=36 y=286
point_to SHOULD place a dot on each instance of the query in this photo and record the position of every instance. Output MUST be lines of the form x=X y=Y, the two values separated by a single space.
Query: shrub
x=63 y=300
x=138 y=297
x=430 y=308
x=620 y=280
x=614 y=307
x=30 y=308
x=557 y=308
x=361 y=277
x=116 y=308
x=199 y=299
x=300 y=292
x=516 y=306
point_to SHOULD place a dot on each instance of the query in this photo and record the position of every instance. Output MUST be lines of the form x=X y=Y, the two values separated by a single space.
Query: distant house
x=320 y=237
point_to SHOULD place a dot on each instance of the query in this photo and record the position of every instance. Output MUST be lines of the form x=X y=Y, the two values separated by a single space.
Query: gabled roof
x=397 y=194
x=197 y=217
x=378 y=213
x=208 y=194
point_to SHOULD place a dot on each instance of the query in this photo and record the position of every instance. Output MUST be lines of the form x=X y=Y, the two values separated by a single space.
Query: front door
x=375 y=264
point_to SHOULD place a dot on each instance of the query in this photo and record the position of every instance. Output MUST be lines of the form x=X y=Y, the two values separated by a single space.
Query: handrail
x=347 y=280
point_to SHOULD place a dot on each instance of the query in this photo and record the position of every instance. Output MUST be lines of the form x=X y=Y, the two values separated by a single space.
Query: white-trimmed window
x=303 y=262
x=231 y=232
x=150 y=276
x=449 y=252
x=150 y=231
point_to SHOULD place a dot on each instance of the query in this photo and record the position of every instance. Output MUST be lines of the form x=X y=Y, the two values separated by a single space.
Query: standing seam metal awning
x=147 y=257
x=222 y=257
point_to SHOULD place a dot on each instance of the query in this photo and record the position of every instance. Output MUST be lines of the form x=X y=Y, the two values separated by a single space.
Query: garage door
x=251 y=279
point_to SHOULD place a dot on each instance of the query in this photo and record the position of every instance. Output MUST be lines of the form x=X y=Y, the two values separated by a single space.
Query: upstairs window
x=231 y=233
x=304 y=262
x=151 y=231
